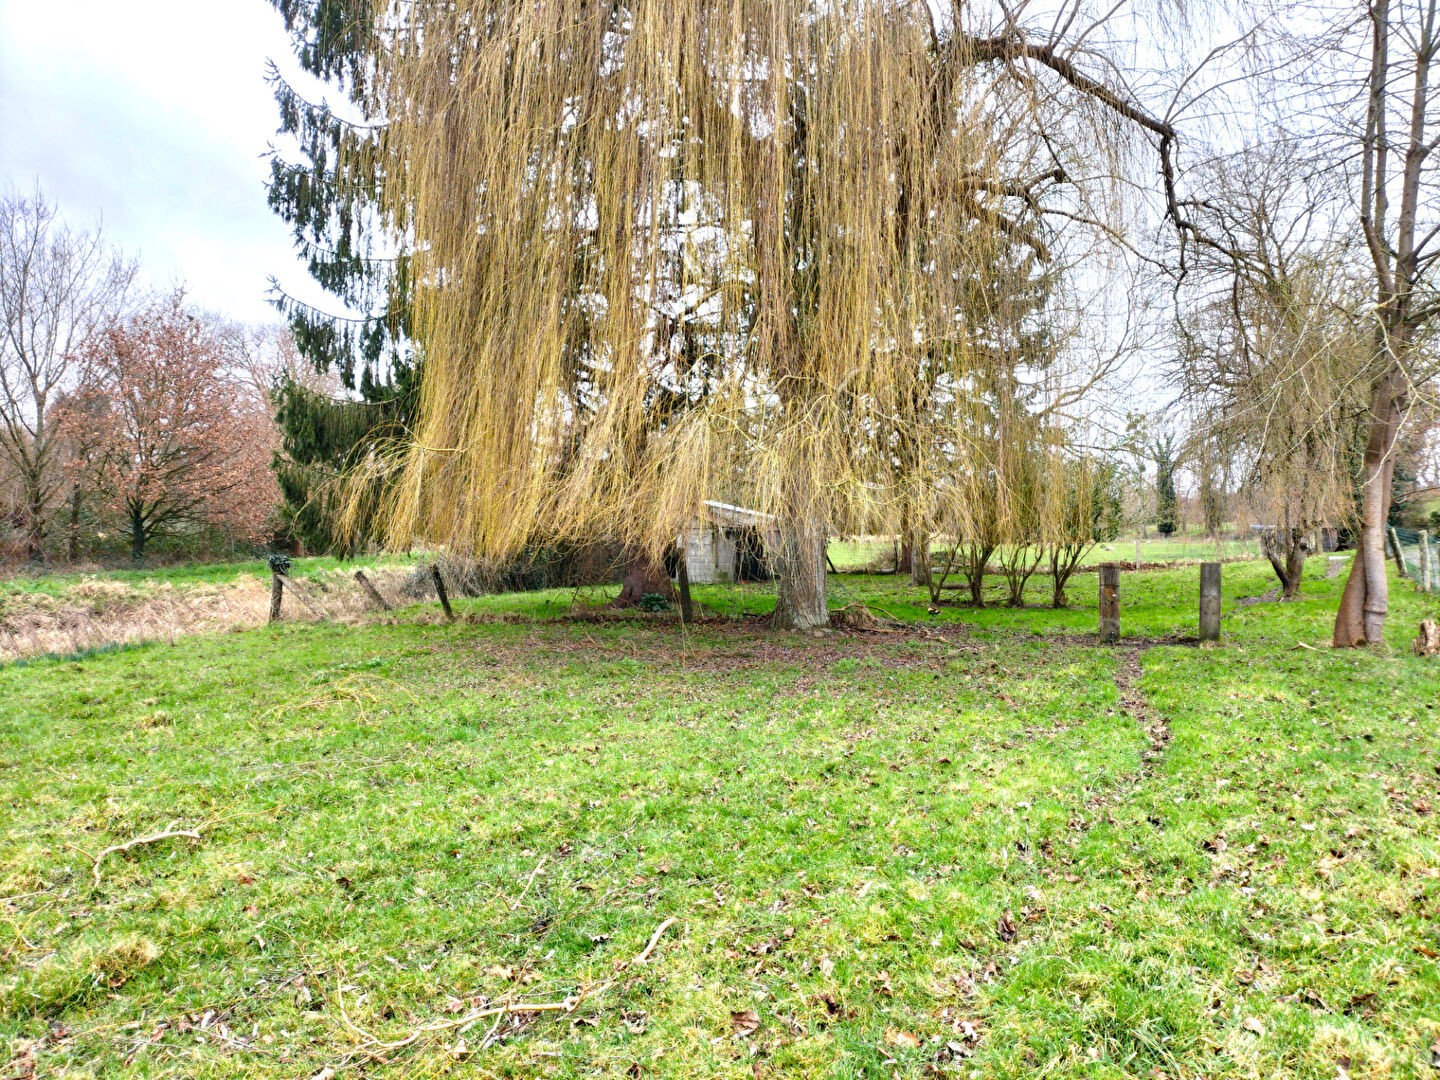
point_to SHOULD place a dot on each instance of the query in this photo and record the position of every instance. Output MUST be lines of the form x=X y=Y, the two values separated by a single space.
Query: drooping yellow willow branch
x=676 y=250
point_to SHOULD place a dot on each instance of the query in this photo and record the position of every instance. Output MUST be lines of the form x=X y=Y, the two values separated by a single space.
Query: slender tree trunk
x=644 y=575
x=137 y=535
x=1365 y=602
x=979 y=563
x=72 y=536
x=34 y=523
x=801 y=602
x=920 y=558
x=1295 y=568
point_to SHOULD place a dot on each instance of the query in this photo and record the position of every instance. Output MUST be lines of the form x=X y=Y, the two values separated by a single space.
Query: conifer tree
x=329 y=192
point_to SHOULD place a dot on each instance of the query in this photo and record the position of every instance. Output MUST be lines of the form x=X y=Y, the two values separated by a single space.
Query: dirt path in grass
x=1133 y=700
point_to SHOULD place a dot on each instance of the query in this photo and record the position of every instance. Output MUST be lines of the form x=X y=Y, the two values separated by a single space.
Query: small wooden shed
x=726 y=543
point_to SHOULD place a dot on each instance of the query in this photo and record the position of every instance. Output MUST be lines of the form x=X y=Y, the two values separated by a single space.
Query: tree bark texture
x=801 y=602
x=1365 y=602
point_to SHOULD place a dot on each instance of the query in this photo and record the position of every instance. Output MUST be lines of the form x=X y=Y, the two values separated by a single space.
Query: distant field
x=531 y=845
x=867 y=553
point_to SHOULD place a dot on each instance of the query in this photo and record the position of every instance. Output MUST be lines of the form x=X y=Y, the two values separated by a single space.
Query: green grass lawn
x=959 y=850
x=868 y=553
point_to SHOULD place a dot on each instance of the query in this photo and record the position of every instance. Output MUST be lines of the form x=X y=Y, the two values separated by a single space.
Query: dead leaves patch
x=744 y=1023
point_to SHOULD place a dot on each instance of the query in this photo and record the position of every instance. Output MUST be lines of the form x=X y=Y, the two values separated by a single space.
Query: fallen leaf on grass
x=745 y=1023
x=1253 y=1025
x=1005 y=927
x=902 y=1038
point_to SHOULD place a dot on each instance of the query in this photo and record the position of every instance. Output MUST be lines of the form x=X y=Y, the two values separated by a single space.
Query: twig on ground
x=373 y=1047
x=168 y=834
x=528 y=882
x=644 y=957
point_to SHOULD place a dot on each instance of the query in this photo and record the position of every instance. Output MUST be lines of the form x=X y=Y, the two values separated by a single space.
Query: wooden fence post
x=687 y=610
x=1399 y=558
x=371 y=591
x=1210 y=601
x=440 y=591
x=1109 y=604
x=277 y=595
x=1425 y=559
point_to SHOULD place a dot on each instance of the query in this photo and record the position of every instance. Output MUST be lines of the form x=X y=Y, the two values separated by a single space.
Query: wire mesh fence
x=1415 y=552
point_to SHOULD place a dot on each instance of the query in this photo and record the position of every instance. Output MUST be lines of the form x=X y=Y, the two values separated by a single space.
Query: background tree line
x=127 y=419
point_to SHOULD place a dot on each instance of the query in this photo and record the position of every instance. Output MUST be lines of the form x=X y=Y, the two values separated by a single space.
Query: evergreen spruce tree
x=1167 y=503
x=329 y=193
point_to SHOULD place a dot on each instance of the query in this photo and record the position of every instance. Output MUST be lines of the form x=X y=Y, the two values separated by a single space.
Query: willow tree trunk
x=644 y=576
x=1366 y=600
x=920 y=558
x=801 y=602
x=1287 y=551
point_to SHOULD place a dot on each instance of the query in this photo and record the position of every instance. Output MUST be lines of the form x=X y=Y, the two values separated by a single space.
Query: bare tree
x=1399 y=215
x=1275 y=351
x=58 y=289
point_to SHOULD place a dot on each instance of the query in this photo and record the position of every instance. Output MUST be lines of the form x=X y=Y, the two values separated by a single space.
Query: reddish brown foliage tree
x=177 y=439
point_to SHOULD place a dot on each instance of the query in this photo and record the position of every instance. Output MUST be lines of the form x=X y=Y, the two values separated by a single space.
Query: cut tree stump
x=1428 y=643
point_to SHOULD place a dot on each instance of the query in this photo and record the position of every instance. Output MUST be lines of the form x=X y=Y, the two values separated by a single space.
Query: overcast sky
x=154 y=115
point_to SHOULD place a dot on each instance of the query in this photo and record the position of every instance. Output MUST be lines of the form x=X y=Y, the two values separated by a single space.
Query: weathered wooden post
x=1210 y=601
x=371 y=591
x=440 y=591
x=1109 y=604
x=1425 y=559
x=1399 y=558
x=687 y=610
x=279 y=564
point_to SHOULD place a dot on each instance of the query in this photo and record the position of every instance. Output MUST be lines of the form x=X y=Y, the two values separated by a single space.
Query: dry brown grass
x=97 y=612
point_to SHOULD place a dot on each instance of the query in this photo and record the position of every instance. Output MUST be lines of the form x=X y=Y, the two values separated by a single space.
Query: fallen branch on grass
x=168 y=834
x=372 y=1047
x=528 y=882
x=644 y=957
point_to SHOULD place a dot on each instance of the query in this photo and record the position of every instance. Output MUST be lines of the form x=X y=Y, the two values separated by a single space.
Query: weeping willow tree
x=672 y=251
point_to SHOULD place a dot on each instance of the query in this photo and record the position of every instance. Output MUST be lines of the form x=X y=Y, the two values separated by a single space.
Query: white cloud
x=154 y=115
